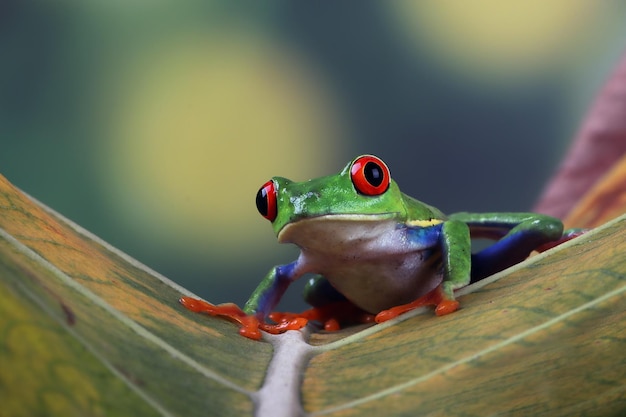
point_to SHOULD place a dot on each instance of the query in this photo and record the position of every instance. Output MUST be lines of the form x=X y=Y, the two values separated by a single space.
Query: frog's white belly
x=368 y=259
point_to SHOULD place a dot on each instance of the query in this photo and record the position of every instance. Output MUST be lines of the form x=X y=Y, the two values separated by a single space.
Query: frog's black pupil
x=373 y=173
x=261 y=201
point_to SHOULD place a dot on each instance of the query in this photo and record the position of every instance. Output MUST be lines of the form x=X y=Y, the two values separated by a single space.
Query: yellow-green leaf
x=75 y=309
x=85 y=330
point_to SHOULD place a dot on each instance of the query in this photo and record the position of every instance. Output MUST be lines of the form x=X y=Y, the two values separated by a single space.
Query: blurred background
x=153 y=124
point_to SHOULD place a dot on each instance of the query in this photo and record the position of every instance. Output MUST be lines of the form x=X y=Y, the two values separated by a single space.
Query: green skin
x=389 y=249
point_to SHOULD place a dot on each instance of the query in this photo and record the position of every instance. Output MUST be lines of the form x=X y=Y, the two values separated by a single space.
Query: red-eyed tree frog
x=375 y=252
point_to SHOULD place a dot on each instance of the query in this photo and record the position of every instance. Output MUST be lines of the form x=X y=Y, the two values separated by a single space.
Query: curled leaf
x=599 y=144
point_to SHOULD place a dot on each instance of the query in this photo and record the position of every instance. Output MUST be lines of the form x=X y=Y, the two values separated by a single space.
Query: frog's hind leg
x=330 y=308
x=319 y=292
x=569 y=234
x=517 y=242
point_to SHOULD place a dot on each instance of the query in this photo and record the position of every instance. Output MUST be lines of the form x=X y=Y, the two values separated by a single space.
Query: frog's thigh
x=319 y=292
x=504 y=253
x=515 y=246
x=516 y=235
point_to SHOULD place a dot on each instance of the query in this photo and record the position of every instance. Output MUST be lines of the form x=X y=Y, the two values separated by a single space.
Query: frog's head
x=362 y=191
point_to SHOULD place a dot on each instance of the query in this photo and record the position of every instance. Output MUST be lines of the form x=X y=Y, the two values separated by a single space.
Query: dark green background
x=453 y=140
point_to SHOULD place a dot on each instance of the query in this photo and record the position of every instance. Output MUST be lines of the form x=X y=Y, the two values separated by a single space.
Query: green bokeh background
x=471 y=107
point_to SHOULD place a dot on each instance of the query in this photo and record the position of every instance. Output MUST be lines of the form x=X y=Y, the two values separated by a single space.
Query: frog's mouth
x=335 y=228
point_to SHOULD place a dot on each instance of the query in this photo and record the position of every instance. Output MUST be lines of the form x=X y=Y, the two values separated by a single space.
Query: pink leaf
x=599 y=144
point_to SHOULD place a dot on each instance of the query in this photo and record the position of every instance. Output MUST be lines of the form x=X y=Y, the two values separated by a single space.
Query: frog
x=372 y=253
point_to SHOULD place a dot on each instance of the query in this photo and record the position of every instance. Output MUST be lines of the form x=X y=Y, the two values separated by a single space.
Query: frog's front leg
x=455 y=246
x=266 y=297
x=261 y=302
x=269 y=292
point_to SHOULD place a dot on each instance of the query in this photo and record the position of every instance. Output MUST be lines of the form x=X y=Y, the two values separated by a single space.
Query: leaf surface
x=86 y=330
x=63 y=288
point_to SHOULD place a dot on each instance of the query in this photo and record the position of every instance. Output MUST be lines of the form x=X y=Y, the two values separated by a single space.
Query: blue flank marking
x=424 y=237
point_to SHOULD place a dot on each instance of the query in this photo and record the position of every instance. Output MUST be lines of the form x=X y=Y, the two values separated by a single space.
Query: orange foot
x=332 y=315
x=250 y=325
x=435 y=297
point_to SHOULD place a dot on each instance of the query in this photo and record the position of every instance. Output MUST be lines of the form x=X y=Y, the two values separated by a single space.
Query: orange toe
x=446 y=307
x=435 y=297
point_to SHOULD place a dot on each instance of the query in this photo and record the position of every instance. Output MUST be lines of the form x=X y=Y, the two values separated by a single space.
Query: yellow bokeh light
x=202 y=122
x=500 y=39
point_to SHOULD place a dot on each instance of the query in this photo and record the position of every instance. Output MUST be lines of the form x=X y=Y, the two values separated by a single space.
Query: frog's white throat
x=338 y=232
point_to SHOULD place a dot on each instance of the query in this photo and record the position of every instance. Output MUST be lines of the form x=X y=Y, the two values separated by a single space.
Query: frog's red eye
x=370 y=175
x=266 y=200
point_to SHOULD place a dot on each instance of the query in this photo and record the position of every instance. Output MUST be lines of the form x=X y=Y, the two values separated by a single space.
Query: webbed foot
x=332 y=316
x=250 y=325
x=436 y=297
